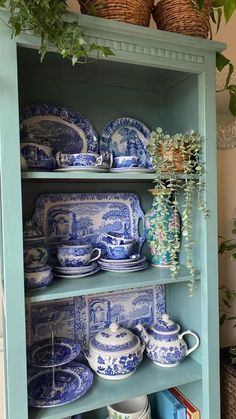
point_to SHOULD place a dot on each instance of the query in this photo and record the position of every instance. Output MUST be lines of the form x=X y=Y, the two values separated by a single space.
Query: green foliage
x=49 y=20
x=189 y=146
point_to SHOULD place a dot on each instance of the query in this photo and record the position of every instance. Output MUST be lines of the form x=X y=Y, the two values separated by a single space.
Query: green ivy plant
x=220 y=8
x=49 y=19
x=189 y=184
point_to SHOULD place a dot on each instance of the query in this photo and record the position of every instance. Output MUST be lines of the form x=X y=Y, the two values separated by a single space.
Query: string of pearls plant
x=172 y=155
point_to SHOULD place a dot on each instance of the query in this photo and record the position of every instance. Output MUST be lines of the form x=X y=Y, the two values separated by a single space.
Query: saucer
x=131 y=170
x=75 y=276
x=83 y=169
x=139 y=259
x=125 y=269
x=70 y=270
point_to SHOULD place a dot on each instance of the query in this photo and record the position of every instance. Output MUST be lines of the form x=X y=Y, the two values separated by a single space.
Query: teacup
x=119 y=251
x=125 y=161
x=38 y=276
x=77 y=254
x=129 y=409
x=113 y=237
x=79 y=159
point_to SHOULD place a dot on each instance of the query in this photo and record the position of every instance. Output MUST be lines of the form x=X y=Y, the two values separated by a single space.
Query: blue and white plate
x=131 y=170
x=41 y=354
x=57 y=127
x=122 y=262
x=76 y=276
x=98 y=169
x=71 y=382
x=126 y=137
x=125 y=269
x=70 y=270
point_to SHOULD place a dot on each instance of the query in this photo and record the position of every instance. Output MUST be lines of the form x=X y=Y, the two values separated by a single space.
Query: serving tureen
x=115 y=352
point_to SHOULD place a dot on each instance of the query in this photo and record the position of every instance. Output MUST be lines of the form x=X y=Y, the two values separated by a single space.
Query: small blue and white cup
x=80 y=159
x=38 y=276
x=125 y=162
x=119 y=251
x=77 y=254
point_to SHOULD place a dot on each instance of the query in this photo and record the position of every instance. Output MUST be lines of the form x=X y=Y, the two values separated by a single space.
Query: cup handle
x=58 y=158
x=99 y=161
x=98 y=251
x=110 y=160
x=188 y=332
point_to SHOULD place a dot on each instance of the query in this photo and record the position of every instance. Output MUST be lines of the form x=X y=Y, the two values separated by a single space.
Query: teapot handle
x=188 y=332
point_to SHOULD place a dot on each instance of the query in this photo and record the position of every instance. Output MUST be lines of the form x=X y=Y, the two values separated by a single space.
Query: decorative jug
x=115 y=352
x=164 y=345
x=162 y=228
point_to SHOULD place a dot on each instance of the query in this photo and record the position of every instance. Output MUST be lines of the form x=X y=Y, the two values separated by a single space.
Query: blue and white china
x=131 y=170
x=71 y=382
x=53 y=352
x=57 y=127
x=114 y=237
x=133 y=408
x=99 y=169
x=32 y=233
x=36 y=156
x=115 y=352
x=126 y=137
x=85 y=216
x=125 y=161
x=79 y=159
x=35 y=251
x=118 y=251
x=165 y=346
x=77 y=275
x=38 y=276
x=127 y=262
x=125 y=269
x=80 y=318
x=71 y=270
x=77 y=254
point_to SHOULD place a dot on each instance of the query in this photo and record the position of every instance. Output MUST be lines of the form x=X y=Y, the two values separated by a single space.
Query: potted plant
x=164 y=148
x=49 y=20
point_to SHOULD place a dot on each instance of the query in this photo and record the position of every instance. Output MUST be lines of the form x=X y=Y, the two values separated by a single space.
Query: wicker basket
x=137 y=12
x=228 y=386
x=180 y=16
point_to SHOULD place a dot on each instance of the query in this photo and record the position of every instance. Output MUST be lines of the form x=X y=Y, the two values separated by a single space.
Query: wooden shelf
x=94 y=176
x=105 y=282
x=147 y=379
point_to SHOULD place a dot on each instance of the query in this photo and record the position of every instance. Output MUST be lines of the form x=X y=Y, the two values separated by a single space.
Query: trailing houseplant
x=50 y=20
x=172 y=155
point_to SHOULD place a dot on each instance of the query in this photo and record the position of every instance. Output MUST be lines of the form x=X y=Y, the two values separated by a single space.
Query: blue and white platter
x=57 y=127
x=126 y=137
x=80 y=318
x=77 y=275
x=47 y=353
x=84 y=217
x=72 y=381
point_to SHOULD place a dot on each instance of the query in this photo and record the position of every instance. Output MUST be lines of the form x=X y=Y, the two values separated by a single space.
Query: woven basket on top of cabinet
x=137 y=12
x=182 y=17
x=228 y=386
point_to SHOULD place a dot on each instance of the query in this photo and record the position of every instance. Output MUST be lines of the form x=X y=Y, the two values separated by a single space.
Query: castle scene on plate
x=57 y=138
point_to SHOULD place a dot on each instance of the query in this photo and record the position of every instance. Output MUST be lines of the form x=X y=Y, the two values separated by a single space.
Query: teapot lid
x=32 y=232
x=166 y=325
x=114 y=339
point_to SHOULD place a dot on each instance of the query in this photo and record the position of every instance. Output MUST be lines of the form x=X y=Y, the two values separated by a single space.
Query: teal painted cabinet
x=164 y=80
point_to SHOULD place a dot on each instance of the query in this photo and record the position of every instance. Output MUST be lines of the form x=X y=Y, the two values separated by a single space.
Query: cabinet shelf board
x=146 y=380
x=95 y=176
x=105 y=282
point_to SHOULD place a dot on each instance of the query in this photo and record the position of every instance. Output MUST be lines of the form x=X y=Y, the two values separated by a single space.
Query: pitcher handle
x=96 y=249
x=189 y=332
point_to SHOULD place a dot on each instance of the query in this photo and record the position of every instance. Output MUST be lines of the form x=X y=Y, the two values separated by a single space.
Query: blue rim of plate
x=71 y=347
x=105 y=144
x=70 y=118
x=39 y=380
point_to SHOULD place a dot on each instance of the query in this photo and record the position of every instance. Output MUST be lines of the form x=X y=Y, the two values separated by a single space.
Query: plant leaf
x=229 y=8
x=232 y=101
x=221 y=61
x=222 y=319
x=218 y=3
x=219 y=16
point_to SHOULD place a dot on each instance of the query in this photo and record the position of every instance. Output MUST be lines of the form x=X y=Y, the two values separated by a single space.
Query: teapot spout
x=143 y=333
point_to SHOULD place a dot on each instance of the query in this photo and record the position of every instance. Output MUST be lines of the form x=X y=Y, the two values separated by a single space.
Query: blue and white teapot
x=165 y=346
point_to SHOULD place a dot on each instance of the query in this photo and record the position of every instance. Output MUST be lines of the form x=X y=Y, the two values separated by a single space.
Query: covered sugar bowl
x=115 y=352
x=165 y=346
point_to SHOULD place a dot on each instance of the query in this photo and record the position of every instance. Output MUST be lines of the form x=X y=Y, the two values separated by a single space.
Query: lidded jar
x=115 y=352
x=35 y=251
x=165 y=346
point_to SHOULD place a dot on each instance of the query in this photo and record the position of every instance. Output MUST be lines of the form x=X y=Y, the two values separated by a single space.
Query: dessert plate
x=76 y=276
x=123 y=262
x=46 y=353
x=126 y=137
x=83 y=169
x=68 y=270
x=71 y=382
x=131 y=170
x=57 y=127
x=125 y=270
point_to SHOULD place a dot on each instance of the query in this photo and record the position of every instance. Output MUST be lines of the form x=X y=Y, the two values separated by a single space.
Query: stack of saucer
x=123 y=265
x=76 y=271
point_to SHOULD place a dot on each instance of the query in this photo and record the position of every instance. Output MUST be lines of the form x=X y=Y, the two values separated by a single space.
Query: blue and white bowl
x=115 y=353
x=38 y=276
x=126 y=161
x=79 y=159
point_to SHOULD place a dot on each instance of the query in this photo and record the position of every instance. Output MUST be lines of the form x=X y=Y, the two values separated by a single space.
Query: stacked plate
x=77 y=271
x=100 y=168
x=123 y=265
